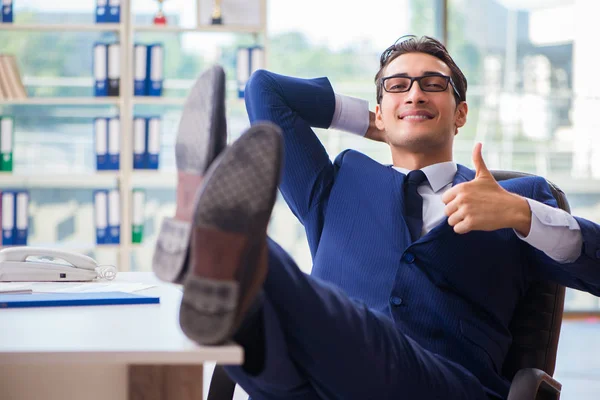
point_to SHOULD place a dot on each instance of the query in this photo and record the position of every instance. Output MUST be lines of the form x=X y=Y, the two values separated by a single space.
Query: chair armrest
x=533 y=384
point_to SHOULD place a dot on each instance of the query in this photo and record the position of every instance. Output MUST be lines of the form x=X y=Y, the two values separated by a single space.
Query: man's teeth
x=409 y=117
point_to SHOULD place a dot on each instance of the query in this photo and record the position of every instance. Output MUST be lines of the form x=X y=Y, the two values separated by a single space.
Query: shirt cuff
x=553 y=231
x=351 y=115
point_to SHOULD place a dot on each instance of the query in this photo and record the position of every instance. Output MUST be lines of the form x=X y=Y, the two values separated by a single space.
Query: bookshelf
x=126 y=178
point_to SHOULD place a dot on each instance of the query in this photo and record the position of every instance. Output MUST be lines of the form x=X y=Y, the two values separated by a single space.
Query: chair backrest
x=536 y=323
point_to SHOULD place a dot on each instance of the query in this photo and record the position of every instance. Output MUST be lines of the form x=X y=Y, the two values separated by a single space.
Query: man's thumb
x=480 y=167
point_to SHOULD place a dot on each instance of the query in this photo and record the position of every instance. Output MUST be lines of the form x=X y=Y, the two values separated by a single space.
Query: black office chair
x=535 y=329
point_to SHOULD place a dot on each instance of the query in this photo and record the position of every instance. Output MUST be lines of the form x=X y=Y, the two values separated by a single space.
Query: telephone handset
x=34 y=264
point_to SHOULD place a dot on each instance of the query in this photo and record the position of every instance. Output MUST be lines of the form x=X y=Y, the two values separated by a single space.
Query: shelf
x=62 y=28
x=153 y=179
x=74 y=246
x=98 y=180
x=204 y=28
x=158 y=100
x=78 y=101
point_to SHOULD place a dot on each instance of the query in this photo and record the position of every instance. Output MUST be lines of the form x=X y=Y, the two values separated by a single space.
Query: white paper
x=74 y=287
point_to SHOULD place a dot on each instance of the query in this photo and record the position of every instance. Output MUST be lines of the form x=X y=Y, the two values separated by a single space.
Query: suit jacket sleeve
x=583 y=273
x=296 y=105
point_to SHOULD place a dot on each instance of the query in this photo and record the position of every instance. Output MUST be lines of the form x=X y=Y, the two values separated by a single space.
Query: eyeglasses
x=428 y=83
x=390 y=50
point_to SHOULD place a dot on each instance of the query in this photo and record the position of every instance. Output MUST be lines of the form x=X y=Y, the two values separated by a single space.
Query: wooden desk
x=104 y=352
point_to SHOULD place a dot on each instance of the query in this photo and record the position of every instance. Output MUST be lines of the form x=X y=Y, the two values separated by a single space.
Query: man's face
x=417 y=120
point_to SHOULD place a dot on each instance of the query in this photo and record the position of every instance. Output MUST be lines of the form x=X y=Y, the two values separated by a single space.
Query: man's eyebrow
x=424 y=73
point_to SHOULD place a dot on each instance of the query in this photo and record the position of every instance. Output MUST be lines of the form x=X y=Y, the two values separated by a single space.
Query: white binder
x=137 y=215
x=8 y=218
x=243 y=69
x=22 y=217
x=101 y=210
x=114 y=69
x=100 y=66
x=114 y=217
x=114 y=143
x=153 y=142
x=101 y=141
x=140 y=66
x=139 y=143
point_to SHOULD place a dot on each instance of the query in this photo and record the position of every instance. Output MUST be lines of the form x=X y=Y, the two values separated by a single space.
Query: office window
x=532 y=95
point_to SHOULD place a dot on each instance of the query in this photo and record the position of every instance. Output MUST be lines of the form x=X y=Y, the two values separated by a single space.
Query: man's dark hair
x=427 y=45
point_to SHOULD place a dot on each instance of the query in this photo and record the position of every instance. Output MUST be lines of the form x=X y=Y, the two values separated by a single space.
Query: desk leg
x=165 y=382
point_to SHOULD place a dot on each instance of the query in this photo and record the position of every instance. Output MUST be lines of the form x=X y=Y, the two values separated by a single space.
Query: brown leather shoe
x=228 y=252
x=201 y=137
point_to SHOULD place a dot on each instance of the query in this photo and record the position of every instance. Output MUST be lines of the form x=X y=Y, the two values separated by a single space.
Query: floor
x=577 y=365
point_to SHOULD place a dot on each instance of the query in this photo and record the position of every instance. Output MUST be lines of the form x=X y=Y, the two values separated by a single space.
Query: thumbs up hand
x=483 y=205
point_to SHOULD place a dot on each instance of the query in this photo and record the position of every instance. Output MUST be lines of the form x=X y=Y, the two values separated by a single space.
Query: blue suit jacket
x=453 y=294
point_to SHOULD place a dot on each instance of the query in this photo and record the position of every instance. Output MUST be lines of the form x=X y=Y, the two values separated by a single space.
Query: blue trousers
x=320 y=344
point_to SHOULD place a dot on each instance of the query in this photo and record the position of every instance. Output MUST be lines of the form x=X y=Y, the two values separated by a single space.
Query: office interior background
x=533 y=101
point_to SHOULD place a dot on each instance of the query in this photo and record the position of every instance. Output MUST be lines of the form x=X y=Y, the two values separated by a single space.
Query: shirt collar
x=438 y=175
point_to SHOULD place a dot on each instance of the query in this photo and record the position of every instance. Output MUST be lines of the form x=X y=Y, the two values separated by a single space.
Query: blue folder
x=73 y=299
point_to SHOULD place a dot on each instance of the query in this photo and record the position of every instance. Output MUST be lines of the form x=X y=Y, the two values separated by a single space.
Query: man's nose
x=415 y=94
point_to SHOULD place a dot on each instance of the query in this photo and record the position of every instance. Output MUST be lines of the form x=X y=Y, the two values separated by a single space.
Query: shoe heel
x=208 y=309
x=171 y=251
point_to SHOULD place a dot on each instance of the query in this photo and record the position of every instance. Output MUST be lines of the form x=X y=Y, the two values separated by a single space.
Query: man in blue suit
x=418 y=265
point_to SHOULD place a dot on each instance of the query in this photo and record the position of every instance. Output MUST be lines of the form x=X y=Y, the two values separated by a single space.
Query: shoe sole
x=228 y=259
x=171 y=250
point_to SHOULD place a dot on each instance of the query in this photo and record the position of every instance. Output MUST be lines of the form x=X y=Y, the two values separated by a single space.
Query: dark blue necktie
x=413 y=203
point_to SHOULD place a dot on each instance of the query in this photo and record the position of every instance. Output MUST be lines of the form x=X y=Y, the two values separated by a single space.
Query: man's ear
x=378 y=119
x=461 y=114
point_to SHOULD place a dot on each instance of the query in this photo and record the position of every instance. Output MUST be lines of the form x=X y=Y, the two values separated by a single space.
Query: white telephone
x=31 y=264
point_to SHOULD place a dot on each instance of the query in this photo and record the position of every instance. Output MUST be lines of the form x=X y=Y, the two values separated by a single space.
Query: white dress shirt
x=553 y=231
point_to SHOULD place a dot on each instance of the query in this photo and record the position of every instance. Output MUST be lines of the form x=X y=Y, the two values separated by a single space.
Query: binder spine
x=100 y=70
x=242 y=69
x=8 y=218
x=101 y=216
x=7 y=11
x=140 y=69
x=101 y=141
x=114 y=69
x=155 y=69
x=137 y=215
x=101 y=11
x=139 y=143
x=114 y=11
x=6 y=143
x=153 y=142
x=114 y=217
x=21 y=218
x=114 y=143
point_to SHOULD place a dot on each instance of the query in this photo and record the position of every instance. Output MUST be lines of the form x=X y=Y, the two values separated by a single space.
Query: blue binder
x=8 y=218
x=74 y=299
x=101 y=216
x=7 y=11
x=154 y=73
x=101 y=11
x=114 y=11
x=140 y=126
x=100 y=69
x=152 y=142
x=21 y=217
